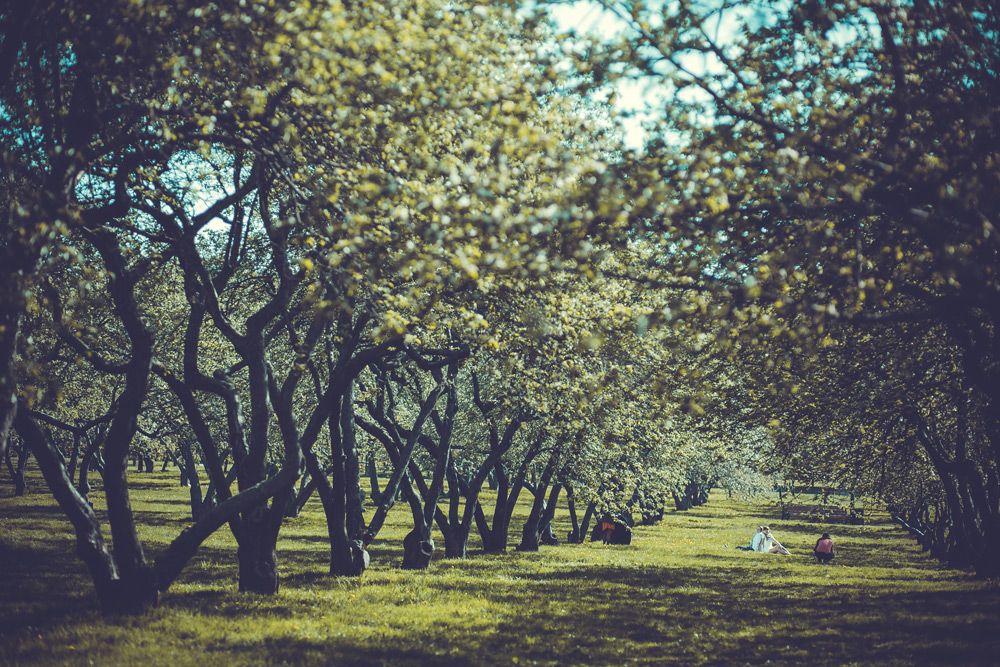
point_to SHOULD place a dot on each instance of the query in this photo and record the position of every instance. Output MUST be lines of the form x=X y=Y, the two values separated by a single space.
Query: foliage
x=228 y=227
x=827 y=172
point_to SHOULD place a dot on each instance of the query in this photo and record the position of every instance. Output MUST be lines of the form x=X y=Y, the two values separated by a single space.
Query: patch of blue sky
x=641 y=99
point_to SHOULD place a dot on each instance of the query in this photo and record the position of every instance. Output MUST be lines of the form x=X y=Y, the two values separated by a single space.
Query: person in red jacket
x=824 y=549
x=608 y=528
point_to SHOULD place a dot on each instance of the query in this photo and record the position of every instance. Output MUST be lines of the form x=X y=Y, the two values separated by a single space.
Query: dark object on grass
x=417 y=552
x=622 y=533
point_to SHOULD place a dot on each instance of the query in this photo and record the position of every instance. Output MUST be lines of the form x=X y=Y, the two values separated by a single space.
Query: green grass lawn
x=679 y=594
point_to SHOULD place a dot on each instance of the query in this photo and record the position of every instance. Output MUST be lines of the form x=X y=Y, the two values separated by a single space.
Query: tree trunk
x=495 y=539
x=373 y=483
x=341 y=558
x=418 y=547
x=189 y=474
x=530 y=532
x=684 y=498
x=587 y=516
x=17 y=471
x=89 y=462
x=7 y=453
x=485 y=531
x=257 y=553
x=75 y=456
x=400 y=453
x=574 y=536
x=457 y=526
x=117 y=592
x=455 y=533
x=545 y=533
x=453 y=526
x=456 y=541
x=307 y=486
x=20 y=487
x=355 y=517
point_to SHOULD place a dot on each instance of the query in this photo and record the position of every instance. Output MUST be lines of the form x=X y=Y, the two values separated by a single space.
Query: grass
x=679 y=594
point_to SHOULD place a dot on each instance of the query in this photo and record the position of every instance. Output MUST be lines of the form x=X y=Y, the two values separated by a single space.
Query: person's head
x=826 y=536
x=765 y=529
x=760 y=529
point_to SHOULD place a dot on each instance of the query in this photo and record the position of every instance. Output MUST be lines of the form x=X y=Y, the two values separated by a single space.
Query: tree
x=830 y=162
x=287 y=181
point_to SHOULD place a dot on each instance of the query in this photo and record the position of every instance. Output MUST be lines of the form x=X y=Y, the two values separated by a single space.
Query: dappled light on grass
x=680 y=593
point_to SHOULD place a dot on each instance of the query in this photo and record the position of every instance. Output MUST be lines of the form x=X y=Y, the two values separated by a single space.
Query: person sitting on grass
x=608 y=528
x=770 y=545
x=824 y=549
x=755 y=540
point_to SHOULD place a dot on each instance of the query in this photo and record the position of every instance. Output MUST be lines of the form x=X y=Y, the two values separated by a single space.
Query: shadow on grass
x=720 y=615
x=660 y=615
x=655 y=602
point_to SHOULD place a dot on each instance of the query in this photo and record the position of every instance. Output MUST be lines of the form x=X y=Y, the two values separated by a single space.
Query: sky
x=636 y=99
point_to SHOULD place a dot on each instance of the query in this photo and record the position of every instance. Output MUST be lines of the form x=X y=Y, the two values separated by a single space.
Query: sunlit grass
x=680 y=593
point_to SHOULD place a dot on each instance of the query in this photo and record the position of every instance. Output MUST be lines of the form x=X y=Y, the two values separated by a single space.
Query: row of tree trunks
x=968 y=524
x=91 y=432
x=457 y=525
x=693 y=494
x=650 y=505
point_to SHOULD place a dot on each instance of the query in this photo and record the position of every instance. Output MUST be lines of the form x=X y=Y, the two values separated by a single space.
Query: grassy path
x=677 y=595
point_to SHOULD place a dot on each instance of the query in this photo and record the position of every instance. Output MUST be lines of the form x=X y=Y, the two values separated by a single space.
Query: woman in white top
x=770 y=545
